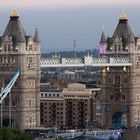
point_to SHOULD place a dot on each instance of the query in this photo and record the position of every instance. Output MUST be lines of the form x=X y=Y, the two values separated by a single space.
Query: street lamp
x=9 y=109
x=108 y=69
x=124 y=68
x=1 y=111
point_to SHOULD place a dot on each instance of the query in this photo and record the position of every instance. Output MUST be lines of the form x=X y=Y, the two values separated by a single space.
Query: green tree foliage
x=13 y=134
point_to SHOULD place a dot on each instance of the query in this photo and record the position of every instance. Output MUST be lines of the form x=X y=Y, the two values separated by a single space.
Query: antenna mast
x=74 y=46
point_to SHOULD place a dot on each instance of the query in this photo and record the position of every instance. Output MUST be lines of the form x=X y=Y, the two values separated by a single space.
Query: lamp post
x=9 y=109
x=1 y=116
x=1 y=113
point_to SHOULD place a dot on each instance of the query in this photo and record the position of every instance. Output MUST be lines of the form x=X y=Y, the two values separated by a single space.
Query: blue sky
x=62 y=21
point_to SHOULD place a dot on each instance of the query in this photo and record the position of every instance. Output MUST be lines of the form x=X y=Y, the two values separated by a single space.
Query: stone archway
x=118 y=120
x=6 y=123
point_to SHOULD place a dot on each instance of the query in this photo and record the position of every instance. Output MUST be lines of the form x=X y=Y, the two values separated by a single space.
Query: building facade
x=74 y=107
x=51 y=108
x=120 y=90
x=20 y=51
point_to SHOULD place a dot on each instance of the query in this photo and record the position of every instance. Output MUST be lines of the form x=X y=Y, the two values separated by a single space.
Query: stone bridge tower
x=20 y=51
x=120 y=98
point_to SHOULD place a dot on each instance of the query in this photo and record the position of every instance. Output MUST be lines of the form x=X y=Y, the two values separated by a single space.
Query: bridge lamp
x=108 y=69
x=124 y=68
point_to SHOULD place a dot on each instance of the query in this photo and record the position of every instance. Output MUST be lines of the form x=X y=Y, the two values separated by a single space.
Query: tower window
x=30 y=47
x=115 y=48
x=125 y=80
x=117 y=79
x=119 y=47
x=109 y=80
x=9 y=47
x=123 y=97
x=111 y=97
x=5 y=48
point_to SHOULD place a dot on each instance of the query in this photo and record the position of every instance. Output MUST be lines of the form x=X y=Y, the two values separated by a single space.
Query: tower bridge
x=120 y=88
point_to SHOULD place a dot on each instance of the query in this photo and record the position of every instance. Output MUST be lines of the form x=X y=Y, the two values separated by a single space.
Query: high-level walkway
x=85 y=62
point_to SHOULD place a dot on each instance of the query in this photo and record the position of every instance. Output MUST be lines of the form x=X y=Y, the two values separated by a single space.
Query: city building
x=20 y=51
x=51 y=108
x=73 y=107
x=79 y=107
x=120 y=89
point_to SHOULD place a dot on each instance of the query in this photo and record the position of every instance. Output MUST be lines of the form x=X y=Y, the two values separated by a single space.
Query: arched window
x=115 y=48
x=5 y=47
x=117 y=79
x=9 y=47
x=98 y=106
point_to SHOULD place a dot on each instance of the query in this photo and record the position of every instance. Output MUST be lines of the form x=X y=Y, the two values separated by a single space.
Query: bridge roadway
x=86 y=61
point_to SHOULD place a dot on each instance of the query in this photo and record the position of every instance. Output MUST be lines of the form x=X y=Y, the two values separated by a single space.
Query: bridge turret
x=56 y=55
x=88 y=59
x=103 y=43
x=36 y=36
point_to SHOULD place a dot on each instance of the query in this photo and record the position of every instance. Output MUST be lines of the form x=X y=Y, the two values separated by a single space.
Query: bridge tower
x=120 y=90
x=20 y=51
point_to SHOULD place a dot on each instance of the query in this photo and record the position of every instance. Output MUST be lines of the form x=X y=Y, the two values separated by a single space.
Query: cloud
x=65 y=3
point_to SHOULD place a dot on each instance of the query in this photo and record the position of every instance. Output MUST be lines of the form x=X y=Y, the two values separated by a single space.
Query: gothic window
x=26 y=102
x=117 y=79
x=3 y=60
x=125 y=80
x=138 y=58
x=123 y=97
x=15 y=101
x=30 y=47
x=137 y=97
x=6 y=101
x=119 y=47
x=16 y=84
x=8 y=59
x=13 y=60
x=5 y=47
x=0 y=59
x=109 y=80
x=138 y=47
x=117 y=94
x=111 y=97
x=115 y=48
x=9 y=47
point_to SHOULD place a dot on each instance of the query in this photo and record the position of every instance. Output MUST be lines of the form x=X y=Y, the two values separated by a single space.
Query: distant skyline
x=61 y=21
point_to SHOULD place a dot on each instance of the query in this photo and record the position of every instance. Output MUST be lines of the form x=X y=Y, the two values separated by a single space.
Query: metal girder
x=8 y=87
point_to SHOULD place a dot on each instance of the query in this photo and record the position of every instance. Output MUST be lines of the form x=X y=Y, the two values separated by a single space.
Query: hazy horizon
x=60 y=22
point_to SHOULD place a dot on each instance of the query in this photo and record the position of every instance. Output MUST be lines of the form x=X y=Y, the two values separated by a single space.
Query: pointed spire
x=123 y=16
x=22 y=37
x=103 y=37
x=36 y=36
x=14 y=13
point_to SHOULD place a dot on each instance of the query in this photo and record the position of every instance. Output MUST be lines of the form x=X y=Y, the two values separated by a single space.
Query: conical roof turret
x=123 y=29
x=103 y=38
x=36 y=36
x=14 y=28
